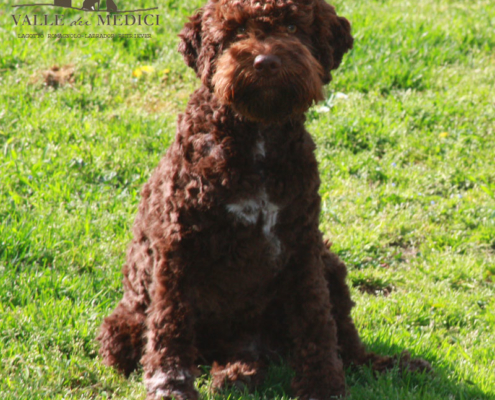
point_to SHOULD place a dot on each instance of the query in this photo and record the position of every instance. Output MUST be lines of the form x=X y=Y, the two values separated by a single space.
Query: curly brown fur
x=237 y=373
x=228 y=266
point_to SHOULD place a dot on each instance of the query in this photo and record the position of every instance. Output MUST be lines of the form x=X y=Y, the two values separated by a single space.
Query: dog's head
x=268 y=59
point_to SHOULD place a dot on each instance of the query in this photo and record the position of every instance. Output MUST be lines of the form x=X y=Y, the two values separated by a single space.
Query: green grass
x=408 y=170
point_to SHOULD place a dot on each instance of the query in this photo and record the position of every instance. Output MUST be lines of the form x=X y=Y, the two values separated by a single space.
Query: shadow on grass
x=364 y=384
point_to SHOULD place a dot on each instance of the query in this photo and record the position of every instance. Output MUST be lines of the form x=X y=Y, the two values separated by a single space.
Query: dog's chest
x=257 y=209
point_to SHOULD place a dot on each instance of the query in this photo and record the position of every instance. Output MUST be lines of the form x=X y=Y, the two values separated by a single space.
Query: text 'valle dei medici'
x=111 y=20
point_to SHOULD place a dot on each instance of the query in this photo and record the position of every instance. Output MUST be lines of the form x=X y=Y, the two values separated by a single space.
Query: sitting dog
x=228 y=266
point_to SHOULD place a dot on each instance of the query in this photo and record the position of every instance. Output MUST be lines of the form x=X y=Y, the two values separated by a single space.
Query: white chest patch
x=249 y=211
x=260 y=148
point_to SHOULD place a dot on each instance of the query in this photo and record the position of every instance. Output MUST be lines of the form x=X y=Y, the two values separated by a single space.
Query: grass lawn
x=406 y=144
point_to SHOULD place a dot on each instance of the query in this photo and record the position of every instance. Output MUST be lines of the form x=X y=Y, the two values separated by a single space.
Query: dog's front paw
x=239 y=374
x=171 y=384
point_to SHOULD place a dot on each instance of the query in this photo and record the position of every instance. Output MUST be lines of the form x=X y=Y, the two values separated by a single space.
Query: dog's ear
x=332 y=38
x=200 y=47
x=190 y=41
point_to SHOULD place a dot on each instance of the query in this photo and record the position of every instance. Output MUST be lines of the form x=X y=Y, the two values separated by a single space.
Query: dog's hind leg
x=352 y=350
x=122 y=333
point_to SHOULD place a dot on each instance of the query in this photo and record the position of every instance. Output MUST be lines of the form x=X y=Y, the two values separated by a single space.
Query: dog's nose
x=267 y=63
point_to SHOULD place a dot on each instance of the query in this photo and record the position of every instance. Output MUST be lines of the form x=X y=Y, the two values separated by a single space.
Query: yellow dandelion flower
x=148 y=69
x=443 y=135
x=145 y=69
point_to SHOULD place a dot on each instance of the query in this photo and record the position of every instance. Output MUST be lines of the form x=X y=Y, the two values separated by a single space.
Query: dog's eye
x=241 y=30
x=291 y=28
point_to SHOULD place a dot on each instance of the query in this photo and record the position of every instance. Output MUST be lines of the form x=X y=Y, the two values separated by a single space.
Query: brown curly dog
x=227 y=266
